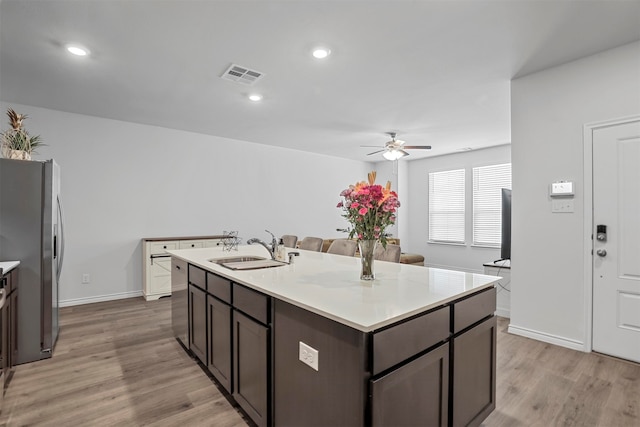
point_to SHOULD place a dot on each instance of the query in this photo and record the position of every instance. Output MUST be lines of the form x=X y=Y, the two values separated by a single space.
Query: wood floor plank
x=117 y=364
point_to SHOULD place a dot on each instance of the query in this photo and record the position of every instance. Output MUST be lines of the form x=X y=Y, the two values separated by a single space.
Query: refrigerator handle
x=62 y=237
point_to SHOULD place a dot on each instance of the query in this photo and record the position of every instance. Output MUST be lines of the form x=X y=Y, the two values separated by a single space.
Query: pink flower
x=340 y=204
x=363 y=210
x=355 y=205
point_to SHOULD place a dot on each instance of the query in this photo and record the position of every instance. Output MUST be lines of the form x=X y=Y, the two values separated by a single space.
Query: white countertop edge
x=234 y=276
x=7 y=266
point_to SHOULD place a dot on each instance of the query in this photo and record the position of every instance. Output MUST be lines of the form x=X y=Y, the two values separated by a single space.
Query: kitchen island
x=310 y=344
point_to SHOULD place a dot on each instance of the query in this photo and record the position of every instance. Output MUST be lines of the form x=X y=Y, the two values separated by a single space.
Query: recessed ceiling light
x=77 y=50
x=321 y=52
x=255 y=97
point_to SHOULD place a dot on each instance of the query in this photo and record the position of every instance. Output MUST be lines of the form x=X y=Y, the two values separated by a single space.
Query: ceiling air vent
x=244 y=75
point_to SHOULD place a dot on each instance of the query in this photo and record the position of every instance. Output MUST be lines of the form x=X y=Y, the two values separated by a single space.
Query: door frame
x=588 y=130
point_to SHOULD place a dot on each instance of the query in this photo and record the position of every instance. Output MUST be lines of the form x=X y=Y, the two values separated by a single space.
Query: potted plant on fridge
x=16 y=141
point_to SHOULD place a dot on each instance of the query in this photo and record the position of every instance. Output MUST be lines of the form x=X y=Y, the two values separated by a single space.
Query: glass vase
x=367 y=249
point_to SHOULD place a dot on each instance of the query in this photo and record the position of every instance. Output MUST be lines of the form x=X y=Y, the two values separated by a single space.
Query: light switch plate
x=562 y=206
x=308 y=355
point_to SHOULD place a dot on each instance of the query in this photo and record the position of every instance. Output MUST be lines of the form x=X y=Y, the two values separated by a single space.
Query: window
x=487 y=203
x=446 y=206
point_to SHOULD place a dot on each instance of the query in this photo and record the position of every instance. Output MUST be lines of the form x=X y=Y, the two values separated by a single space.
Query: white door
x=616 y=258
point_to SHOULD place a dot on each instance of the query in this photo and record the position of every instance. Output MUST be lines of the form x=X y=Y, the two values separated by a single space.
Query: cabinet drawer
x=473 y=309
x=189 y=244
x=212 y=243
x=251 y=302
x=219 y=287
x=161 y=247
x=398 y=343
x=198 y=277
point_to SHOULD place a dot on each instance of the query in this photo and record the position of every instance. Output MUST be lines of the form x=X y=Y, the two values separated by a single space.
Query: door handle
x=601 y=252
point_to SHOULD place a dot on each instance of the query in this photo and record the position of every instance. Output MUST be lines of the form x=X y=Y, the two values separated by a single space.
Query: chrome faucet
x=272 y=249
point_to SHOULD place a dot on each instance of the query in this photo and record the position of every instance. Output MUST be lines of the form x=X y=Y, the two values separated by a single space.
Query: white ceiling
x=436 y=72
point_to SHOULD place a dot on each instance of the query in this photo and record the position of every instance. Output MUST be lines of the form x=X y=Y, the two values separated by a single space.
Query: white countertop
x=330 y=285
x=7 y=266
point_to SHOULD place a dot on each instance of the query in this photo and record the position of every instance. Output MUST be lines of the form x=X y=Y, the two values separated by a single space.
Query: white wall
x=122 y=182
x=548 y=111
x=457 y=257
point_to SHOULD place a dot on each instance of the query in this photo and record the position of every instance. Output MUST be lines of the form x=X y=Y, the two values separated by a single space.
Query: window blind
x=487 y=203
x=446 y=206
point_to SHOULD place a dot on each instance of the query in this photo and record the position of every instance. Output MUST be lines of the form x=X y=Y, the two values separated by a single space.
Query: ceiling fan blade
x=376 y=152
x=417 y=147
x=404 y=153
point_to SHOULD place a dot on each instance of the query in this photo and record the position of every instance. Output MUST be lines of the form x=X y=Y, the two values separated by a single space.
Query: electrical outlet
x=308 y=355
x=86 y=279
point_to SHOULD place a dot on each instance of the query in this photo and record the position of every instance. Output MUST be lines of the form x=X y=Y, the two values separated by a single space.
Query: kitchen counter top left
x=7 y=266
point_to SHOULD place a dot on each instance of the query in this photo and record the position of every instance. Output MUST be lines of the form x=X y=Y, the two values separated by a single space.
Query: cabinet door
x=250 y=367
x=13 y=327
x=4 y=344
x=160 y=277
x=416 y=394
x=474 y=374
x=198 y=323
x=219 y=315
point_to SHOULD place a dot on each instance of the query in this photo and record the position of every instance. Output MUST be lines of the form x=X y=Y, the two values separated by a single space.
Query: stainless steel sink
x=247 y=262
x=236 y=259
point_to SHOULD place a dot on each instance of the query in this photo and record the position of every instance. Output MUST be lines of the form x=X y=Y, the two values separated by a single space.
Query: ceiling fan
x=395 y=149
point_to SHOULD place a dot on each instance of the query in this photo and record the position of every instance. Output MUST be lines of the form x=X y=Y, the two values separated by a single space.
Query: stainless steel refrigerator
x=32 y=232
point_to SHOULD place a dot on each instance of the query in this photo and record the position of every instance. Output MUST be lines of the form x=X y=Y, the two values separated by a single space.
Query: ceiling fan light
x=393 y=154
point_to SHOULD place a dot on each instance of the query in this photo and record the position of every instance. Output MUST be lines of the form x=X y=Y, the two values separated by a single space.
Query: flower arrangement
x=16 y=142
x=370 y=208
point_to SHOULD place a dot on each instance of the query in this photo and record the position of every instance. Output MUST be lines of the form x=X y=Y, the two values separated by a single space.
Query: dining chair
x=311 y=244
x=343 y=247
x=289 y=240
x=391 y=253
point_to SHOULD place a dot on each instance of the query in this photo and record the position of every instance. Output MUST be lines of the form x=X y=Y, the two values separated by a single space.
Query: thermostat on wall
x=561 y=189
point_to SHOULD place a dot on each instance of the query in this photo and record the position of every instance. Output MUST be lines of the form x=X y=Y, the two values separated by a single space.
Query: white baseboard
x=548 y=338
x=100 y=298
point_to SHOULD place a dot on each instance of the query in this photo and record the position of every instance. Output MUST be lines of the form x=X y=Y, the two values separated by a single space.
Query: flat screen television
x=505 y=247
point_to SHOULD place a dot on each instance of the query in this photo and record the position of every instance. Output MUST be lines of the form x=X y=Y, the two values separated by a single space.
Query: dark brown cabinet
x=474 y=374
x=229 y=332
x=219 y=319
x=285 y=365
x=198 y=322
x=251 y=367
x=8 y=328
x=416 y=394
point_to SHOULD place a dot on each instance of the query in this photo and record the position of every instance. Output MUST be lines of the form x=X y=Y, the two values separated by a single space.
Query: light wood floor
x=116 y=364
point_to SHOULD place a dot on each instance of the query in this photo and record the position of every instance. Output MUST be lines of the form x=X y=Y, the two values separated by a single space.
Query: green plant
x=17 y=138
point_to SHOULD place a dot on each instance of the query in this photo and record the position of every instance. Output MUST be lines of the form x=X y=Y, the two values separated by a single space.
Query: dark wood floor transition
x=116 y=363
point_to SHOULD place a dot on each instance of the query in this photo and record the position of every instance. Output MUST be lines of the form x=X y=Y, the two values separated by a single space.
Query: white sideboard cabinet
x=502 y=269
x=156 y=271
